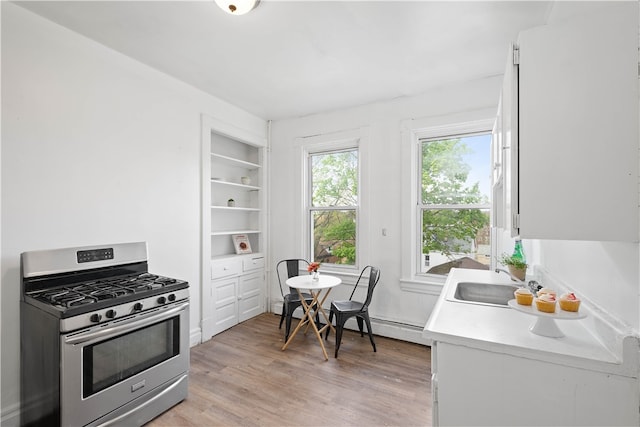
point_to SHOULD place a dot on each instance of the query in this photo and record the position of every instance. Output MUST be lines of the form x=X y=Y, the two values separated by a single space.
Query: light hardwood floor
x=241 y=377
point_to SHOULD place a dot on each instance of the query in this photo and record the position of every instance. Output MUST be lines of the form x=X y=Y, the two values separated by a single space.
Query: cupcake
x=523 y=296
x=546 y=303
x=569 y=302
x=543 y=291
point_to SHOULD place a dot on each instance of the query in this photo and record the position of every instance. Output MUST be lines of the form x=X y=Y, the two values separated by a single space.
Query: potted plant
x=517 y=267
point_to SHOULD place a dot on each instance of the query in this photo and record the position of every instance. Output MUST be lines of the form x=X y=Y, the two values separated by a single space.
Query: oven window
x=109 y=362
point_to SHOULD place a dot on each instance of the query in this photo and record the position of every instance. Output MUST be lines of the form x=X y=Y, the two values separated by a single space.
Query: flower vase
x=315 y=275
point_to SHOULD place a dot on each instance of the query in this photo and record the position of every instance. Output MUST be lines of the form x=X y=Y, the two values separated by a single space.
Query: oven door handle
x=136 y=323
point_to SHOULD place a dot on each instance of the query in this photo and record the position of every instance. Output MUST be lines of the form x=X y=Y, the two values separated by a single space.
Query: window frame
x=310 y=209
x=421 y=206
x=413 y=132
x=335 y=141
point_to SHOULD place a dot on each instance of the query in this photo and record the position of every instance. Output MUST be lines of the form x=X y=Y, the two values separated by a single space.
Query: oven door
x=110 y=368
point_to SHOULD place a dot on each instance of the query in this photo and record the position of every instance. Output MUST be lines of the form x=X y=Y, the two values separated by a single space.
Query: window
x=333 y=206
x=454 y=203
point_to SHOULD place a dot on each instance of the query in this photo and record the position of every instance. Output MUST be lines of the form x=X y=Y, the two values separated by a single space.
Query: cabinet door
x=497 y=389
x=225 y=304
x=250 y=297
x=509 y=129
x=497 y=199
x=578 y=128
x=505 y=148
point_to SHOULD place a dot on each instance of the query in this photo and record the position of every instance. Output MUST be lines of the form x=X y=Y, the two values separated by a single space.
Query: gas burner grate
x=93 y=291
x=102 y=294
x=80 y=300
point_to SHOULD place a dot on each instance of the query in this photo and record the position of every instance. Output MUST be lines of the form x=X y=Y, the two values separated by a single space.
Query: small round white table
x=325 y=283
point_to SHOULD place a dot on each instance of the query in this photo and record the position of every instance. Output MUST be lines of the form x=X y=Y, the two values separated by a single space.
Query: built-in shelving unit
x=236 y=174
x=233 y=202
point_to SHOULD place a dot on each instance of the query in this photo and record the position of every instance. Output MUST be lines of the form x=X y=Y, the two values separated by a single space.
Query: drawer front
x=253 y=263
x=225 y=267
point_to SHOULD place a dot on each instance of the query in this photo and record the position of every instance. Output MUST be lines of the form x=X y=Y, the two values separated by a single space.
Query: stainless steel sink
x=484 y=293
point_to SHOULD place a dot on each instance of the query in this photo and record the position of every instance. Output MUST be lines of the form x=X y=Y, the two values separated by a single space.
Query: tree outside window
x=333 y=206
x=454 y=203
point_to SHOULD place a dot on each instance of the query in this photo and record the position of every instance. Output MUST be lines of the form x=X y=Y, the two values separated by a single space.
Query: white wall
x=604 y=272
x=96 y=148
x=382 y=183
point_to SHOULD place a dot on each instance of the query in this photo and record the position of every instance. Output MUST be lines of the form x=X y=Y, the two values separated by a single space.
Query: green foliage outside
x=444 y=176
x=335 y=184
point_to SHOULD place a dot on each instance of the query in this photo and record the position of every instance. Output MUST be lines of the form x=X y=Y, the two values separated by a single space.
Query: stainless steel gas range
x=103 y=341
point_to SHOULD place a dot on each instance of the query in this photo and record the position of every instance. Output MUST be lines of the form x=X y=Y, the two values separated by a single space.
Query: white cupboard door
x=497 y=389
x=509 y=141
x=225 y=303
x=250 y=296
x=578 y=128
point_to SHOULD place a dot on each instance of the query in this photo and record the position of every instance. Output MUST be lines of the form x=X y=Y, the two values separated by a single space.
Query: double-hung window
x=454 y=207
x=446 y=194
x=333 y=206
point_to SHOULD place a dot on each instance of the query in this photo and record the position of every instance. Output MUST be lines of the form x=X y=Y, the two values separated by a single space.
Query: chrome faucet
x=532 y=285
x=514 y=278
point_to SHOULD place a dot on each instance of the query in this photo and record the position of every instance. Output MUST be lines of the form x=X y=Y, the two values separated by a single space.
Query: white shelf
x=235 y=184
x=235 y=208
x=235 y=162
x=226 y=161
x=229 y=232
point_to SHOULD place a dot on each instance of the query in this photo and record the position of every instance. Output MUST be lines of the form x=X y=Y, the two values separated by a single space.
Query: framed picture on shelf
x=241 y=243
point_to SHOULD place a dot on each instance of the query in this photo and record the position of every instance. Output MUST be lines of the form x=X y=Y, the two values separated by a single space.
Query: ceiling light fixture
x=237 y=7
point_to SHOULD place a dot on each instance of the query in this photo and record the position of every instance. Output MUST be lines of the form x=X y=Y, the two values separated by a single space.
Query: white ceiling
x=294 y=58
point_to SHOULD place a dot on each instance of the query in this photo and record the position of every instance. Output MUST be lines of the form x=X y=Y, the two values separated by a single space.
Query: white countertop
x=504 y=330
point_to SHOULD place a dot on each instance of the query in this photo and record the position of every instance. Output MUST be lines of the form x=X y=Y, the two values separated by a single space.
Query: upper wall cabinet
x=572 y=139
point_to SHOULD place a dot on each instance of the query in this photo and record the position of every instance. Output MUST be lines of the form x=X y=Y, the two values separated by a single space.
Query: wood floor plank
x=241 y=377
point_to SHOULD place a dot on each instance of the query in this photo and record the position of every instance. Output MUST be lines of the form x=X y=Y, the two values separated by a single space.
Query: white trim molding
x=412 y=131
x=307 y=145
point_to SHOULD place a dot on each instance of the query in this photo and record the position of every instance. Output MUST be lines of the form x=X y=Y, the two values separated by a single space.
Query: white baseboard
x=195 y=337
x=11 y=416
x=384 y=328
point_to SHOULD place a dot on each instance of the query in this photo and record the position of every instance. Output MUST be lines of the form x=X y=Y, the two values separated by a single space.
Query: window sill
x=347 y=277
x=419 y=285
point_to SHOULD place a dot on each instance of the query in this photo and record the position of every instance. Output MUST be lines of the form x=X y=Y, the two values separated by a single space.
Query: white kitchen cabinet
x=234 y=294
x=574 y=144
x=250 y=296
x=484 y=388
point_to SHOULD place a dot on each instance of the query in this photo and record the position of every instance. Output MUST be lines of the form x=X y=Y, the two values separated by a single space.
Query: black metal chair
x=291 y=299
x=344 y=310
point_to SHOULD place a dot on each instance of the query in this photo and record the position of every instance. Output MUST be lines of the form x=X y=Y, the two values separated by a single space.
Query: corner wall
x=398 y=311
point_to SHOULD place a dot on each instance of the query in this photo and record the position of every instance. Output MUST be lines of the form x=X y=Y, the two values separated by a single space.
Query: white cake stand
x=545 y=323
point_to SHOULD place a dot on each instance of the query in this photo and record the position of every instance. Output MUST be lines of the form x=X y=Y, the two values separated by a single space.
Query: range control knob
x=96 y=317
x=162 y=300
x=110 y=314
x=137 y=306
x=172 y=297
